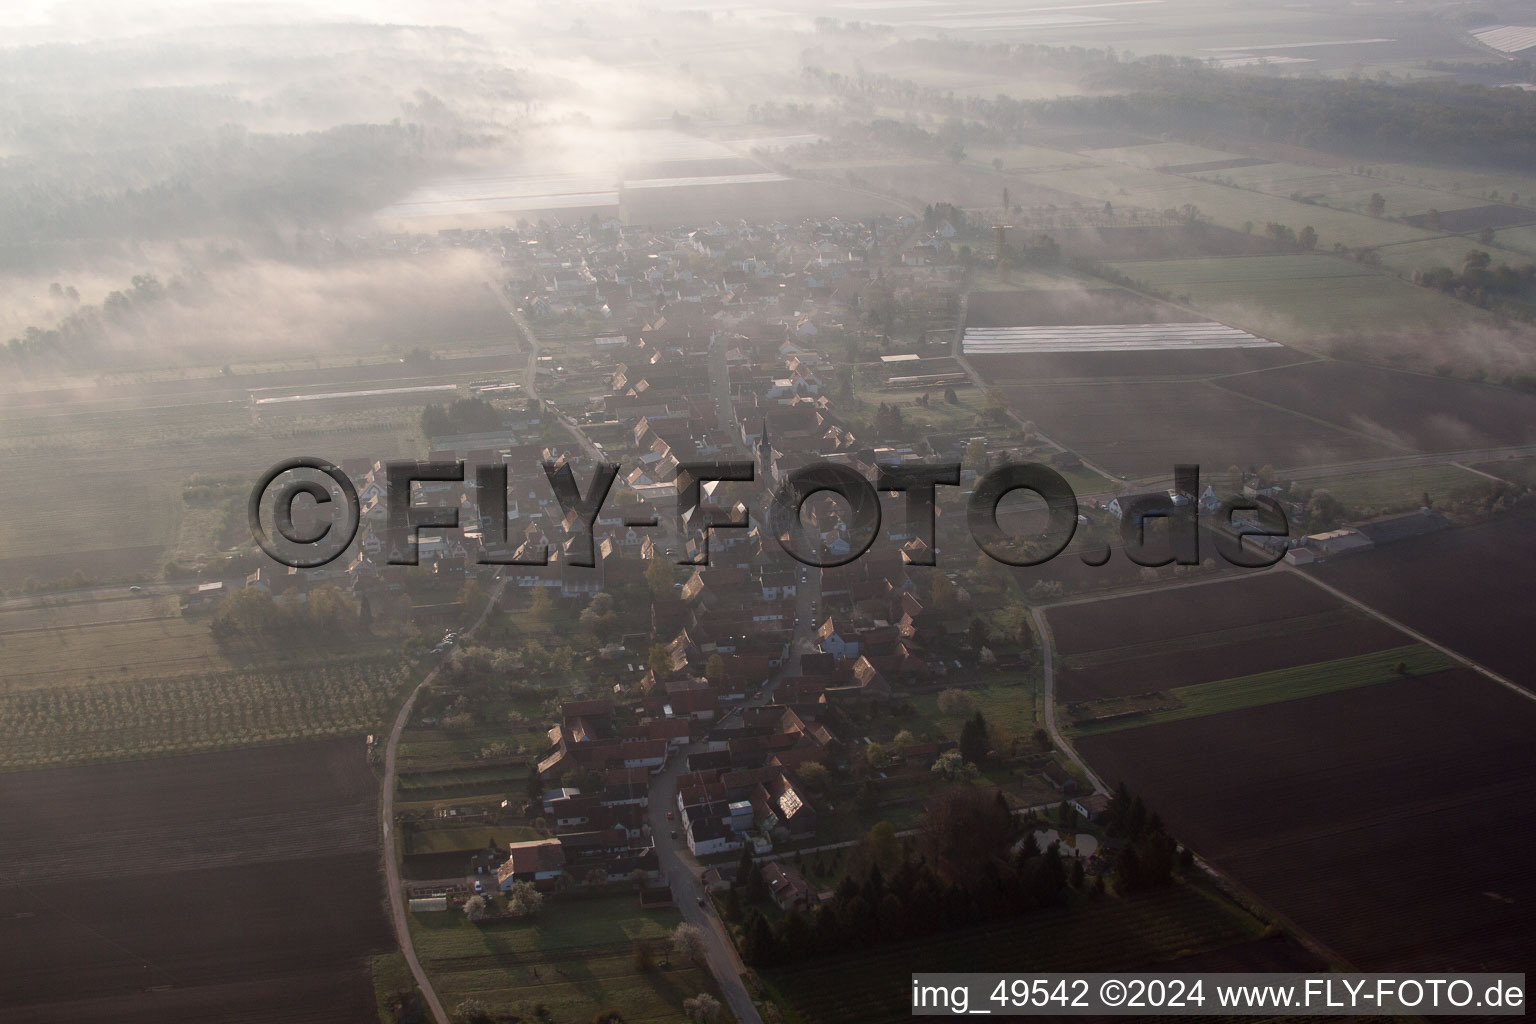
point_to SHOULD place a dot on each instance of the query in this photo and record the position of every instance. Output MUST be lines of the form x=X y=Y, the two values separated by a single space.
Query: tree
x=813 y=774
x=659 y=577
x=474 y=908
x=732 y=905
x=702 y=1008
x=472 y=1011
x=1485 y=236
x=539 y=603
x=714 y=669
x=608 y=1017
x=902 y=740
x=758 y=946
x=524 y=898
x=688 y=942
x=965 y=829
x=876 y=756
x=951 y=396
x=951 y=766
x=955 y=702
x=974 y=743
x=976 y=454
x=365 y=615
x=660 y=661
x=1307 y=238
x=1377 y=204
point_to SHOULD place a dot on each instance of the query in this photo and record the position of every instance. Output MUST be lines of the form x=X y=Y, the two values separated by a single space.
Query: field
x=1067 y=305
x=116 y=638
x=1522 y=471
x=575 y=958
x=1261 y=688
x=1443 y=251
x=237 y=886
x=1133 y=645
x=1105 y=935
x=1475 y=218
x=1412 y=410
x=1226 y=206
x=114 y=507
x=1396 y=490
x=1303 y=298
x=1144 y=428
x=1389 y=821
x=110 y=459
x=1467 y=588
x=152 y=717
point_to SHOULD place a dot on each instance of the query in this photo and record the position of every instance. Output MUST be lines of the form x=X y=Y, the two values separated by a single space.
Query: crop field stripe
x=1229 y=637
x=1286 y=685
x=1477 y=667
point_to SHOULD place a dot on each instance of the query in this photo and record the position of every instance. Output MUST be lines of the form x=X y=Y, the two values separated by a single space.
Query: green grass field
x=1227 y=206
x=1520 y=471
x=1300 y=298
x=424 y=749
x=1283 y=685
x=1520 y=240
x=1008 y=709
x=391 y=979
x=454 y=840
x=1445 y=251
x=576 y=958
x=1394 y=490
x=1102 y=935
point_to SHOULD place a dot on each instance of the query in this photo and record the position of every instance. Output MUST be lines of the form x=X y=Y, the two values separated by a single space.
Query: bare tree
x=702 y=1008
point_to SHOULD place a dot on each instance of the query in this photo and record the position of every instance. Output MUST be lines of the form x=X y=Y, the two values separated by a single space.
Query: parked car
x=674 y=833
x=701 y=901
x=669 y=815
x=479 y=887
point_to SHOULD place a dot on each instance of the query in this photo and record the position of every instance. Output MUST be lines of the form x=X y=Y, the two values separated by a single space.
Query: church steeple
x=765 y=460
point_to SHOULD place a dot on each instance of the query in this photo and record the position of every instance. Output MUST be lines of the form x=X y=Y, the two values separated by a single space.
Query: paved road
x=682 y=872
x=720 y=387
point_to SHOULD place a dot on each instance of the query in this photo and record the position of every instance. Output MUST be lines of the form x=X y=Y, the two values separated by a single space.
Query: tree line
x=972 y=862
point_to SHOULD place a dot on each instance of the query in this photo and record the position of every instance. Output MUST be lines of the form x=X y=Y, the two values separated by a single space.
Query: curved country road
x=387 y=827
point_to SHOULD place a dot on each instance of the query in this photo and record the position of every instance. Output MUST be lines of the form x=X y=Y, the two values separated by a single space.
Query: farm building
x=1387 y=529
x=1300 y=555
x=540 y=862
x=1338 y=542
x=1092 y=806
